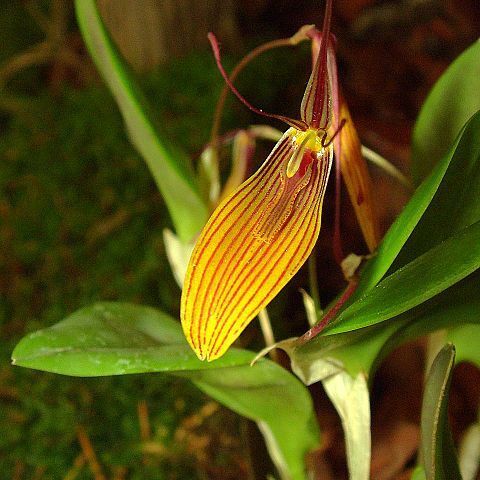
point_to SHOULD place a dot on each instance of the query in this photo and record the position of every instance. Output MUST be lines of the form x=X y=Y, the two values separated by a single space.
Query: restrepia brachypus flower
x=260 y=236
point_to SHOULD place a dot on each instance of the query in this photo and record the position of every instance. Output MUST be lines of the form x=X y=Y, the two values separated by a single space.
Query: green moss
x=80 y=220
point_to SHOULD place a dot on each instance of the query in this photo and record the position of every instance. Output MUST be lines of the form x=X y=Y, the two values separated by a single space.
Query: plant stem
x=316 y=329
x=267 y=332
x=386 y=166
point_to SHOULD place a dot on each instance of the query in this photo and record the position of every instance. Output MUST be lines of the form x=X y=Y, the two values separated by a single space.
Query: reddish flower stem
x=299 y=124
x=283 y=42
x=316 y=329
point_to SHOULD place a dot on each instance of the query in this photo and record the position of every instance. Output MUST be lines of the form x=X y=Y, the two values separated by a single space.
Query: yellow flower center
x=303 y=141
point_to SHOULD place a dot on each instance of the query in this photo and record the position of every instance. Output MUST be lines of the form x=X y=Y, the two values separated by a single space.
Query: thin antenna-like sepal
x=299 y=124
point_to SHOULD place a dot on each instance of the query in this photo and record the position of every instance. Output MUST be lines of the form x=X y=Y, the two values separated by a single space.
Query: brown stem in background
x=143 y=420
x=89 y=453
x=77 y=466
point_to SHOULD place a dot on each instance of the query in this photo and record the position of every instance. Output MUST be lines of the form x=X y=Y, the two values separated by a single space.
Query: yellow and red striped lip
x=254 y=243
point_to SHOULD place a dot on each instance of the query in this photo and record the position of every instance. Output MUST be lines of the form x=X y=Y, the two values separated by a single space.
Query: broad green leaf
x=170 y=167
x=454 y=308
x=453 y=100
x=420 y=280
x=113 y=339
x=456 y=203
x=359 y=352
x=453 y=187
x=351 y=399
x=279 y=404
x=439 y=456
x=117 y=338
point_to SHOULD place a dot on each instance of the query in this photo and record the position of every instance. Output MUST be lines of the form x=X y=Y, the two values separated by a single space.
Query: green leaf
x=178 y=255
x=420 y=280
x=439 y=456
x=453 y=100
x=170 y=167
x=351 y=399
x=359 y=352
x=453 y=308
x=445 y=202
x=354 y=352
x=277 y=401
x=348 y=393
x=419 y=473
x=117 y=338
x=362 y=350
x=456 y=203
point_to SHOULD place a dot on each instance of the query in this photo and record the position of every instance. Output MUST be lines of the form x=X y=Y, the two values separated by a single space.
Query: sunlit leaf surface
x=451 y=102
x=118 y=338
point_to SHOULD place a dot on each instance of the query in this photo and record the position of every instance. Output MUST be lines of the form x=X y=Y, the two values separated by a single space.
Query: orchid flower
x=261 y=234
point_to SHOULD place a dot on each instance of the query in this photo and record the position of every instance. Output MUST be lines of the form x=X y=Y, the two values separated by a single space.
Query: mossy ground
x=81 y=220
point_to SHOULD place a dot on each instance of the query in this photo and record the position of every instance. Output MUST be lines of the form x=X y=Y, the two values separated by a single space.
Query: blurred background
x=81 y=220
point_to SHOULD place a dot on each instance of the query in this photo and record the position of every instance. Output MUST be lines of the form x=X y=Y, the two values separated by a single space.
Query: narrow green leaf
x=116 y=338
x=354 y=352
x=178 y=255
x=457 y=205
x=453 y=100
x=420 y=280
x=400 y=230
x=439 y=456
x=359 y=352
x=170 y=167
x=457 y=306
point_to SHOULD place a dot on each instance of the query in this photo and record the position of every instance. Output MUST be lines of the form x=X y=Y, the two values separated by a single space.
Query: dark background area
x=81 y=220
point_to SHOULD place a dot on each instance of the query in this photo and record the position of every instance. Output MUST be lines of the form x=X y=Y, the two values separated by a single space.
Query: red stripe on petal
x=283 y=277
x=271 y=254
